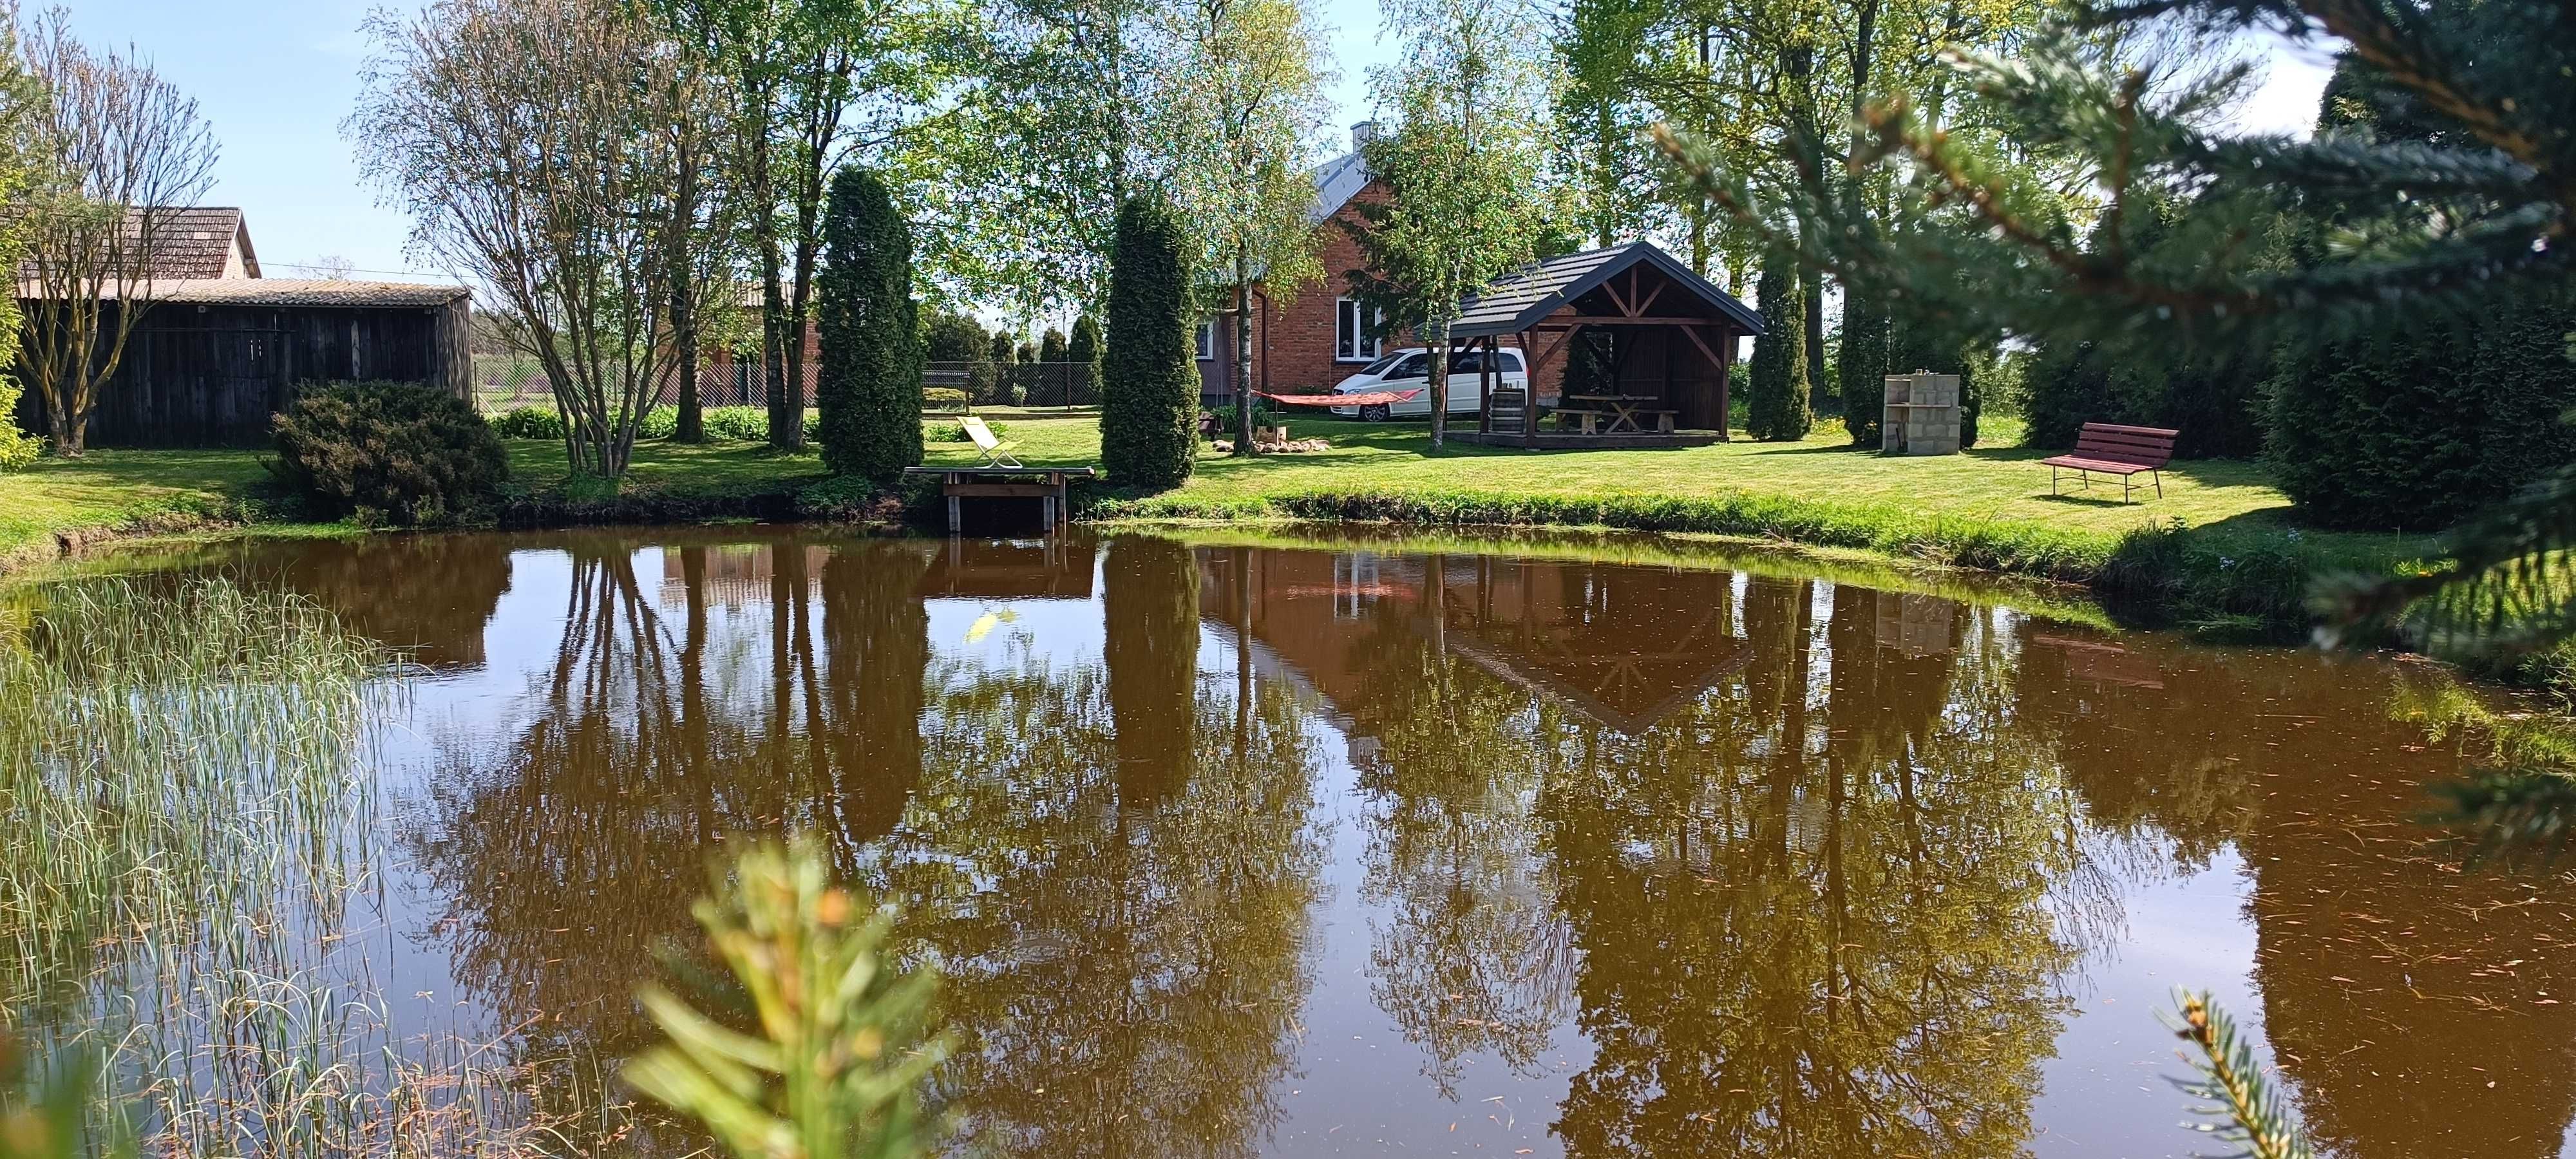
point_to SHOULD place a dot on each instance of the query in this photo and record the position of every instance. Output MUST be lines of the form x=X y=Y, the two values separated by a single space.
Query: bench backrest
x=2143 y=446
x=983 y=435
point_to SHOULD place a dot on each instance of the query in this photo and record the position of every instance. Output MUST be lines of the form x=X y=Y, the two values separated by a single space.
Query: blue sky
x=275 y=77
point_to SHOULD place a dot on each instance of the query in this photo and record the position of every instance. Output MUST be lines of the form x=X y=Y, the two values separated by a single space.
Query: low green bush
x=389 y=453
x=956 y=432
x=18 y=449
x=738 y=423
x=661 y=422
x=943 y=398
x=1263 y=415
x=2417 y=426
x=529 y=422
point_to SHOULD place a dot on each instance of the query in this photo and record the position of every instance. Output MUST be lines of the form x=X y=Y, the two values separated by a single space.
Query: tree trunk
x=1812 y=283
x=1440 y=391
x=70 y=426
x=761 y=188
x=684 y=307
x=1243 y=396
x=800 y=302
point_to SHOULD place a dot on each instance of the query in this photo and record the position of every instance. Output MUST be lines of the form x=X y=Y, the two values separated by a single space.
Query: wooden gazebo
x=1667 y=337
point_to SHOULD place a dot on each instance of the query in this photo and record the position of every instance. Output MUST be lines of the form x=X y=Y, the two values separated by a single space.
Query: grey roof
x=291 y=292
x=1336 y=182
x=1518 y=300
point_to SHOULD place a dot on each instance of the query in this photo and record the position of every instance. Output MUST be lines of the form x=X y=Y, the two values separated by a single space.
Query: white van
x=1410 y=369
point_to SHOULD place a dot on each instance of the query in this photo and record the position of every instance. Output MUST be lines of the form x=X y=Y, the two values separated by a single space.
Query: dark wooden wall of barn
x=211 y=376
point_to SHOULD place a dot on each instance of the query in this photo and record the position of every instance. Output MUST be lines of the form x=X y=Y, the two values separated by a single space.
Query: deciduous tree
x=1248 y=108
x=111 y=147
x=1465 y=168
x=808 y=84
x=551 y=186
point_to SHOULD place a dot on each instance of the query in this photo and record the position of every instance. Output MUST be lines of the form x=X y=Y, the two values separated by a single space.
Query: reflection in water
x=1226 y=850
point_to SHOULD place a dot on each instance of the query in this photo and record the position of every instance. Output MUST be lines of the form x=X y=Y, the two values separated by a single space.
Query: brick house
x=1316 y=338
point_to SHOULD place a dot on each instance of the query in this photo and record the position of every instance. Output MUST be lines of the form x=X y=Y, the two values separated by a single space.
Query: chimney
x=1361 y=134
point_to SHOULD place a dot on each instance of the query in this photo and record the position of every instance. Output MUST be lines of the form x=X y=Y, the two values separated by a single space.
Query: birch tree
x=111 y=145
x=1465 y=168
x=1063 y=129
x=1248 y=112
x=552 y=186
x=808 y=85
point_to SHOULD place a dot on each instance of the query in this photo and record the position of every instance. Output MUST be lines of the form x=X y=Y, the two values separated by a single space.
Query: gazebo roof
x=1520 y=299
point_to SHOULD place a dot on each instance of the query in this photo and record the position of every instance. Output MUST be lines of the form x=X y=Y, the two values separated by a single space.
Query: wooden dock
x=1047 y=485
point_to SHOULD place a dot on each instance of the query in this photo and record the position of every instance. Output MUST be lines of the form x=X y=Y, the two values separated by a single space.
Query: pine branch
x=2244 y=1106
x=2511 y=813
x=2505 y=590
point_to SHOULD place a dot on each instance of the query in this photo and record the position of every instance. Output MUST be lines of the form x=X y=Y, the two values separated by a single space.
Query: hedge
x=2415 y=427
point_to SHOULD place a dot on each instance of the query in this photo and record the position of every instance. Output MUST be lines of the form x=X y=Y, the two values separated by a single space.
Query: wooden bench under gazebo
x=1667 y=336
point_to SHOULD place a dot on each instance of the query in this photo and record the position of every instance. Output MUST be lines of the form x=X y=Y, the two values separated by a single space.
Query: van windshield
x=1379 y=366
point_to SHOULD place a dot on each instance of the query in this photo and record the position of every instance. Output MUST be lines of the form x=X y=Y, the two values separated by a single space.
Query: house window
x=1207 y=339
x=1353 y=341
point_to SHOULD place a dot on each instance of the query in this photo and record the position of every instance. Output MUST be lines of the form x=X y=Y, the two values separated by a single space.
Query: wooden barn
x=221 y=348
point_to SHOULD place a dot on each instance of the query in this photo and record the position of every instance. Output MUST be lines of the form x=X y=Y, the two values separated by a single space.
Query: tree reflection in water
x=1113 y=870
x=1812 y=868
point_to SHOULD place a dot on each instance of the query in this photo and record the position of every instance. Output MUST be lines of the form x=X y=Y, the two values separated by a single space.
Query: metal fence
x=1017 y=384
x=502 y=382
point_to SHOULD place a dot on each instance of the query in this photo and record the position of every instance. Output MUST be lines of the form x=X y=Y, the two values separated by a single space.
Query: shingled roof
x=1518 y=300
x=195 y=241
x=292 y=292
x=190 y=241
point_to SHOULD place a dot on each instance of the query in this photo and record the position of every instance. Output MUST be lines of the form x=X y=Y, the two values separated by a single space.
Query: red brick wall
x=1293 y=341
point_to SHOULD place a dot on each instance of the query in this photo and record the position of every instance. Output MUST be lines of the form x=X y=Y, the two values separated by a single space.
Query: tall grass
x=186 y=791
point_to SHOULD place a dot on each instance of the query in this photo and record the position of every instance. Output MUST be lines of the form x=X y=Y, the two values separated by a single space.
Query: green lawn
x=111 y=489
x=118 y=489
x=1983 y=484
x=1990 y=508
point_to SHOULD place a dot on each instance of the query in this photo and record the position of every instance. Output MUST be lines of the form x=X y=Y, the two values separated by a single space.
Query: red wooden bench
x=2109 y=449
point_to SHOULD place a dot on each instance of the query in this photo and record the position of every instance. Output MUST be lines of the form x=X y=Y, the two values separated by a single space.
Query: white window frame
x=1351 y=341
x=1205 y=336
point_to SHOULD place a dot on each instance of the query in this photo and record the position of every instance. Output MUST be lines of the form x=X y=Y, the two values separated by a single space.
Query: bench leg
x=2159 y=477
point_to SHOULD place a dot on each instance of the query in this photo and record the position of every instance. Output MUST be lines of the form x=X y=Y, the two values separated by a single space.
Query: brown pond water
x=1298 y=851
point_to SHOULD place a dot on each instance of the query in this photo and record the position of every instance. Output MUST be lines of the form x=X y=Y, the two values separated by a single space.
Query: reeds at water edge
x=187 y=805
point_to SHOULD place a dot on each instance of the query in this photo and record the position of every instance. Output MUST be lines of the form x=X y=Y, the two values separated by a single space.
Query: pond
x=1346 y=844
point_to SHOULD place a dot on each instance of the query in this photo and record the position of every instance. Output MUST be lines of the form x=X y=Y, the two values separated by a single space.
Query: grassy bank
x=2218 y=550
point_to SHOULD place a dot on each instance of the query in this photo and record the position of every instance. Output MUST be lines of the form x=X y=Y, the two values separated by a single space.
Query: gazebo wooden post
x=1529 y=399
x=1485 y=389
x=1725 y=378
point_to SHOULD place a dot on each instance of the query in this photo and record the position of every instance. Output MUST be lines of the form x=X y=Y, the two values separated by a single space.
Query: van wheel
x=1376 y=412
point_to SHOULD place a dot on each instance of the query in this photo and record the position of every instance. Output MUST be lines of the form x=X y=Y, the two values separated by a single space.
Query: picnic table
x=1613 y=413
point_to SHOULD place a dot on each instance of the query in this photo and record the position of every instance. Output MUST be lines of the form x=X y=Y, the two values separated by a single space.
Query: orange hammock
x=1381 y=398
